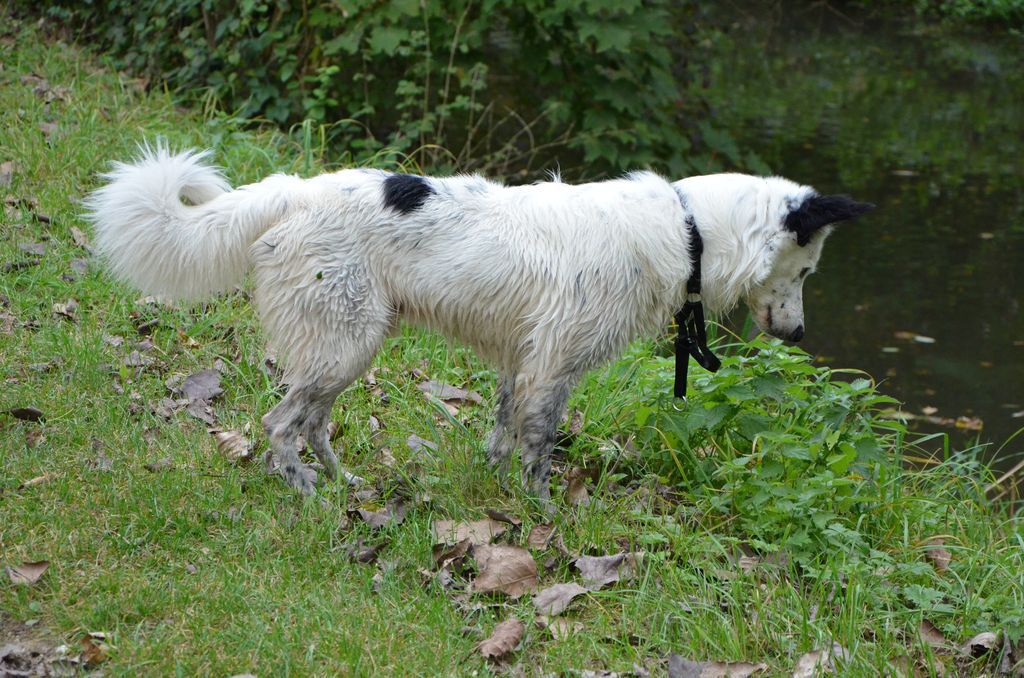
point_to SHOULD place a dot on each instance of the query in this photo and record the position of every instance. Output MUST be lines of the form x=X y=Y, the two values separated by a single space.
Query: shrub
x=498 y=85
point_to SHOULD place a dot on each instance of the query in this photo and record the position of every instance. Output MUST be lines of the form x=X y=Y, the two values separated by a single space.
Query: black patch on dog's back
x=406 y=192
x=819 y=211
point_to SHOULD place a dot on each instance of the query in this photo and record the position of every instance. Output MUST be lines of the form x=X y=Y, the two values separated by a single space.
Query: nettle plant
x=507 y=87
x=795 y=455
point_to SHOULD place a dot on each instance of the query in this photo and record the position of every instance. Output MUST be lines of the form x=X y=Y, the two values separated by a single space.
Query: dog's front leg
x=303 y=415
x=502 y=439
x=541 y=408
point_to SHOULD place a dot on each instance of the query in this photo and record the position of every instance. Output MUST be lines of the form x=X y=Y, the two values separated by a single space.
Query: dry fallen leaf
x=442 y=578
x=553 y=600
x=166 y=407
x=42 y=88
x=32 y=659
x=26 y=413
x=30 y=202
x=159 y=465
x=447 y=556
x=80 y=238
x=233 y=445
x=6 y=173
x=365 y=494
x=101 y=462
x=939 y=556
x=199 y=389
x=11 y=266
x=27 y=573
x=361 y=552
x=503 y=517
x=477 y=532
x=503 y=639
x=384 y=567
x=393 y=513
x=375 y=519
x=576 y=494
x=202 y=410
x=94 y=649
x=79 y=266
x=748 y=563
x=508 y=569
x=38 y=480
x=540 y=536
x=7 y=322
x=932 y=636
x=447 y=393
x=137 y=359
x=333 y=430
x=37 y=248
x=547 y=536
x=66 y=310
x=18 y=265
x=576 y=423
x=680 y=667
x=601 y=570
x=966 y=423
x=417 y=444
x=981 y=644
x=820 y=662
x=560 y=627
x=203 y=385
x=386 y=458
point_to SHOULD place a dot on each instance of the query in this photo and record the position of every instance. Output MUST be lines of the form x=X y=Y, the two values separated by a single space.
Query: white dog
x=545 y=281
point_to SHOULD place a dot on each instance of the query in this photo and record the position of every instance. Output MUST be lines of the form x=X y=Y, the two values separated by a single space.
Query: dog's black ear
x=819 y=211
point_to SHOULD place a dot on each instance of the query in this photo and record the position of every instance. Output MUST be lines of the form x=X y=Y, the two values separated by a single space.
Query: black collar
x=692 y=339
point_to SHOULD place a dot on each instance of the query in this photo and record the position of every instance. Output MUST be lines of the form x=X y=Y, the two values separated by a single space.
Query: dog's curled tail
x=170 y=224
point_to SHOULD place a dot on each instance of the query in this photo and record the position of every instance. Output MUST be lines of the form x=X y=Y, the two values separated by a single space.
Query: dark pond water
x=925 y=293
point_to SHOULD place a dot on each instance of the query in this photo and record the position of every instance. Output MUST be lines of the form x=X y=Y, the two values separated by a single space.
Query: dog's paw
x=301 y=477
x=270 y=462
x=333 y=472
x=352 y=479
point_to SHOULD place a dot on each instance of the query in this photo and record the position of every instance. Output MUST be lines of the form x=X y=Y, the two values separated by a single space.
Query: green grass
x=211 y=568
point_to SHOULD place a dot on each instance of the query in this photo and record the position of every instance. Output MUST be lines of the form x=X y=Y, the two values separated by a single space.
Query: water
x=925 y=292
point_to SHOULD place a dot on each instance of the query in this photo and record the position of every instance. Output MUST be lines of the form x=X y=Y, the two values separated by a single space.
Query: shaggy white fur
x=545 y=281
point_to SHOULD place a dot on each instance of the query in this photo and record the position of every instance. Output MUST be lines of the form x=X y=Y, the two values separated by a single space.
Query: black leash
x=692 y=339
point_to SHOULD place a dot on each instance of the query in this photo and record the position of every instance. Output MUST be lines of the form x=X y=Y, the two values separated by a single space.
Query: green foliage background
x=1007 y=12
x=504 y=86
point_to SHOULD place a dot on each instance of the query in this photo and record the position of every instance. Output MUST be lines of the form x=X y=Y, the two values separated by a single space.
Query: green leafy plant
x=506 y=87
x=793 y=453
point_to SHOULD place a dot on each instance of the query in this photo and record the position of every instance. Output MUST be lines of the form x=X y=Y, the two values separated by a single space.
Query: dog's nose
x=797 y=334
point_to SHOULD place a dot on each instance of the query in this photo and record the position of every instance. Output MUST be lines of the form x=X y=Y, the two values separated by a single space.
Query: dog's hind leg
x=502 y=439
x=285 y=425
x=319 y=439
x=327 y=317
x=304 y=414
